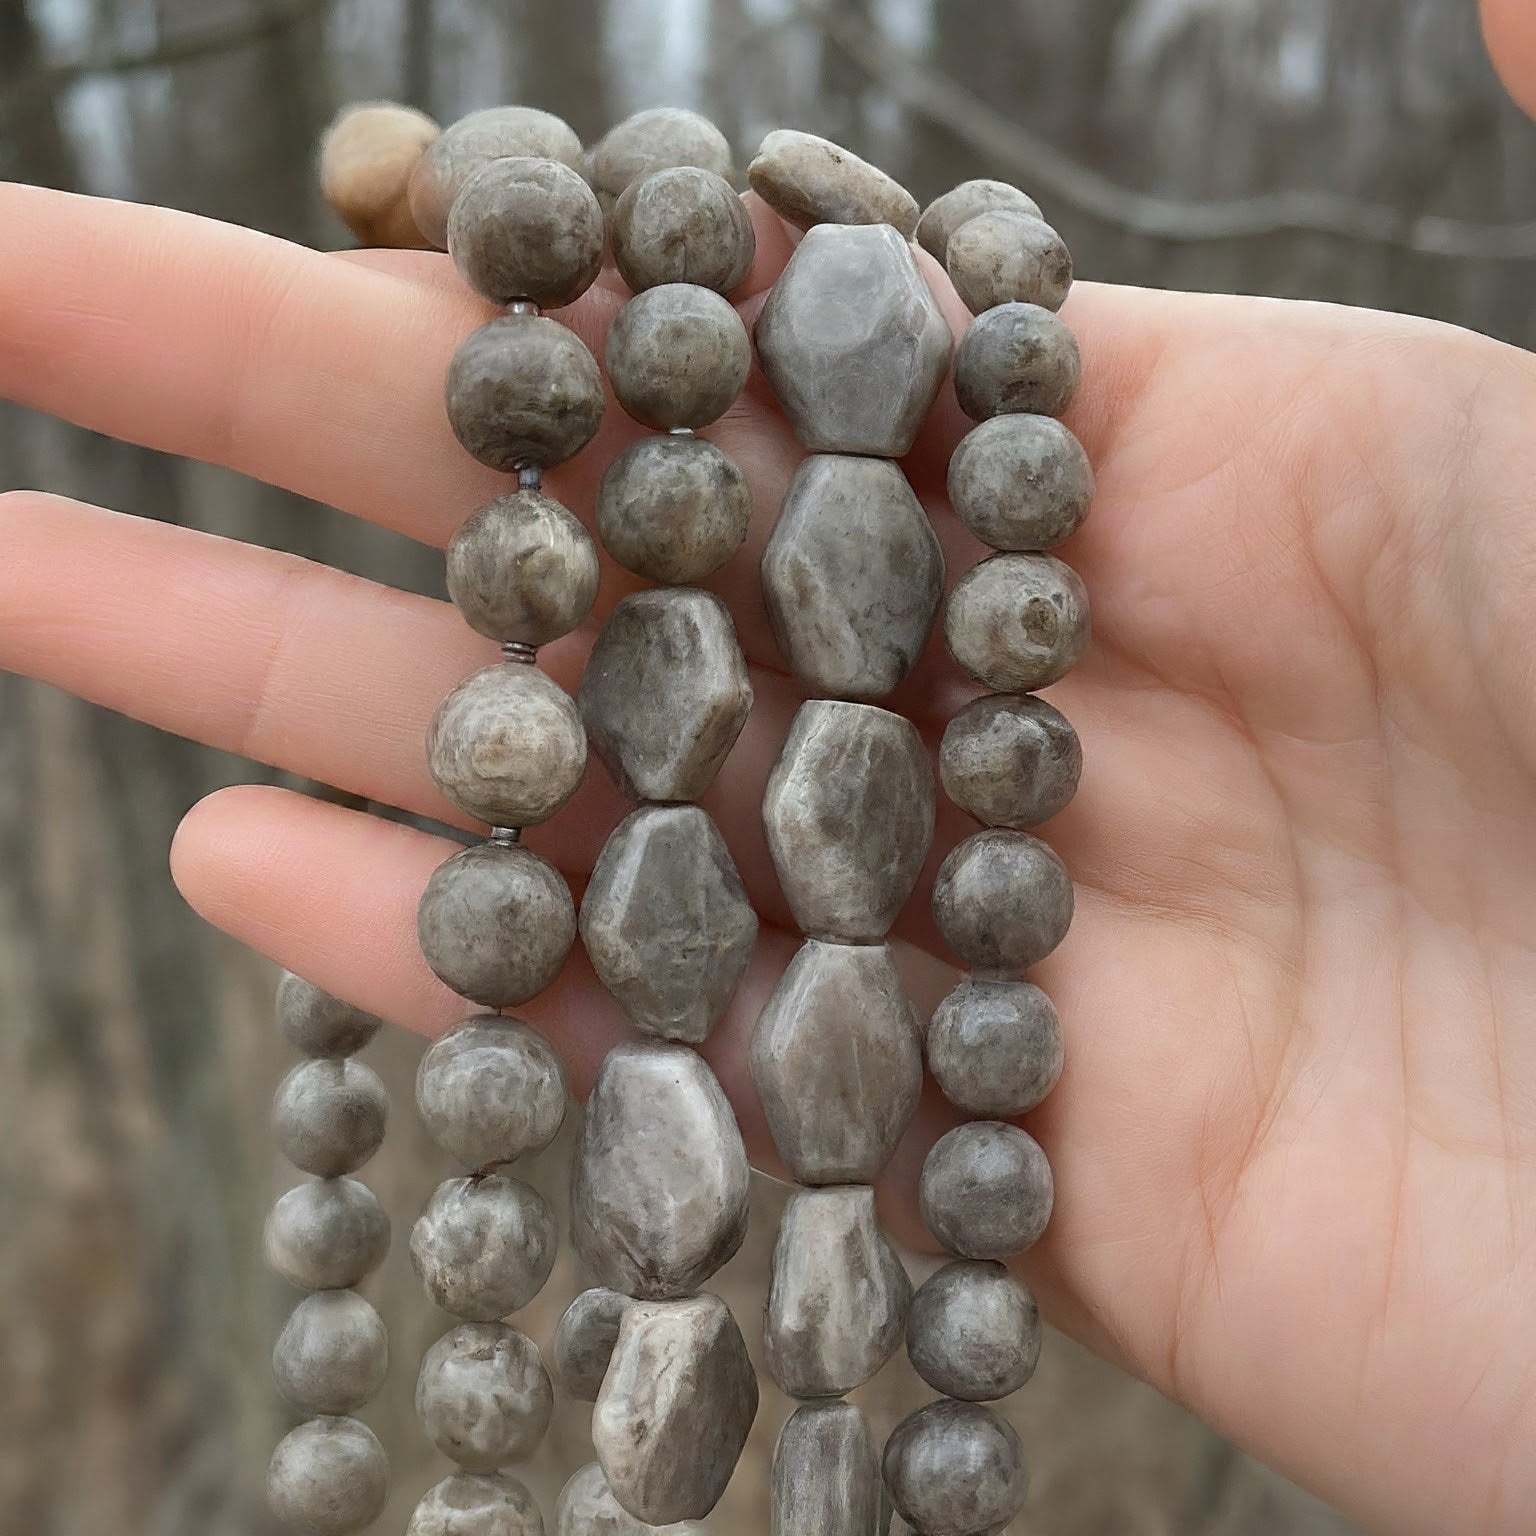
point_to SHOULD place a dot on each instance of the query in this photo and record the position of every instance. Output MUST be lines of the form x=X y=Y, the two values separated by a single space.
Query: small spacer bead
x=522 y=307
x=529 y=477
x=519 y=650
x=507 y=837
x=680 y=432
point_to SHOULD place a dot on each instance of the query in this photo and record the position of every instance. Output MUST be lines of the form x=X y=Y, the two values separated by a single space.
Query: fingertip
x=1509 y=27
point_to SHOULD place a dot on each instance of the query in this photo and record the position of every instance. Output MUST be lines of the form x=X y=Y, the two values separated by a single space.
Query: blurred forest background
x=1357 y=150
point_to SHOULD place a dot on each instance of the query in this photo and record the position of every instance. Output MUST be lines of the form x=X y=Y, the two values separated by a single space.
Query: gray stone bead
x=484 y=1246
x=522 y=569
x=849 y=813
x=956 y=1469
x=584 y=1341
x=527 y=229
x=656 y=140
x=1010 y=760
x=826 y=1477
x=490 y=1090
x=675 y=1408
x=678 y=356
x=523 y=390
x=470 y=1504
x=659 y=1183
x=1007 y=257
x=1003 y=901
x=332 y=1355
x=811 y=181
x=1021 y=482
x=496 y=923
x=986 y=1190
x=1017 y=358
x=665 y=693
x=994 y=1047
x=1018 y=622
x=318 y=1024
x=328 y=1477
x=673 y=509
x=587 y=1507
x=328 y=1235
x=483 y=1396
x=837 y=1062
x=852 y=342
x=475 y=141
x=944 y=215
x=682 y=225
x=852 y=576
x=667 y=923
x=973 y=1332
x=328 y=1117
x=838 y=1296
x=507 y=746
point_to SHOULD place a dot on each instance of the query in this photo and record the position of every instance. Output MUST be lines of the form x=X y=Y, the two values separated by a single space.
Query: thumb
x=1510 y=29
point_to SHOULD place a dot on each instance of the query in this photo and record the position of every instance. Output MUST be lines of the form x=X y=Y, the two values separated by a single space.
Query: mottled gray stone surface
x=1017 y=358
x=849 y=813
x=1021 y=482
x=945 y=214
x=826 y=1477
x=995 y=1047
x=490 y=1090
x=852 y=576
x=327 y=1235
x=666 y=921
x=655 y=140
x=366 y=159
x=328 y=1477
x=809 y=180
x=328 y=1117
x=838 y=1298
x=470 y=1504
x=659 y=1184
x=837 y=1062
x=1010 y=760
x=682 y=225
x=1003 y=901
x=852 y=341
x=589 y=1328
x=483 y=1396
x=955 y=1469
x=677 y=356
x=974 y=1332
x=484 y=1246
x=1017 y=622
x=675 y=1408
x=318 y=1024
x=332 y=1354
x=1005 y=257
x=587 y=1507
x=665 y=693
x=986 y=1190
x=507 y=746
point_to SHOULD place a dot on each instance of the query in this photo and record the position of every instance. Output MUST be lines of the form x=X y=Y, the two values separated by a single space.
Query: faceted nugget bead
x=332 y=1354
x=986 y=1190
x=682 y=225
x=1017 y=358
x=587 y=1507
x=656 y=140
x=826 y=1477
x=1006 y=257
x=318 y=1024
x=666 y=921
x=852 y=576
x=1003 y=901
x=584 y=1341
x=328 y=1117
x=507 y=746
x=812 y=181
x=366 y=160
x=955 y=1469
x=659 y=1184
x=852 y=341
x=837 y=1301
x=849 y=816
x=484 y=1246
x=675 y=1408
x=1010 y=761
x=665 y=693
x=837 y=1063
x=1021 y=482
x=944 y=215
x=490 y=1090
x=483 y=1396
x=468 y=1504
x=329 y=1477
x=496 y=923
x=1017 y=622
x=994 y=1047
x=973 y=1332
x=327 y=1236
x=678 y=356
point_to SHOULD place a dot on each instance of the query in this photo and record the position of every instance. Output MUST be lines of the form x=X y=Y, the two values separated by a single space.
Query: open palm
x=1295 y=1142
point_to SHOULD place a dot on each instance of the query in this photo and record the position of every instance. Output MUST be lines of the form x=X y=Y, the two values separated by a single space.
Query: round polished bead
x=328 y=1117
x=523 y=390
x=484 y=1246
x=522 y=569
x=1017 y=622
x=973 y=1332
x=673 y=509
x=986 y=1190
x=678 y=356
x=1002 y=900
x=955 y=1469
x=1021 y=482
x=1017 y=358
x=483 y=1396
x=682 y=225
x=584 y=1341
x=332 y=1354
x=587 y=1507
x=471 y=1504
x=944 y=215
x=1010 y=760
x=366 y=160
x=328 y=1477
x=507 y=746
x=1006 y=257
x=809 y=180
x=994 y=1047
x=475 y=141
x=328 y=1235
x=656 y=140
x=496 y=923
x=318 y=1024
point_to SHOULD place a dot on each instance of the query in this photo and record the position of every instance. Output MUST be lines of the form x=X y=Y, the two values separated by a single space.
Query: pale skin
x=1295 y=1143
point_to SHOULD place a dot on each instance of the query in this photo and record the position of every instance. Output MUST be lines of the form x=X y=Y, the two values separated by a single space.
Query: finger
x=1510 y=28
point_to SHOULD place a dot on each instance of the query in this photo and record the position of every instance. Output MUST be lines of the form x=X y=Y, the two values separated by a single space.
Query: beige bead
x=1017 y=622
x=809 y=181
x=366 y=160
x=683 y=225
x=1005 y=257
